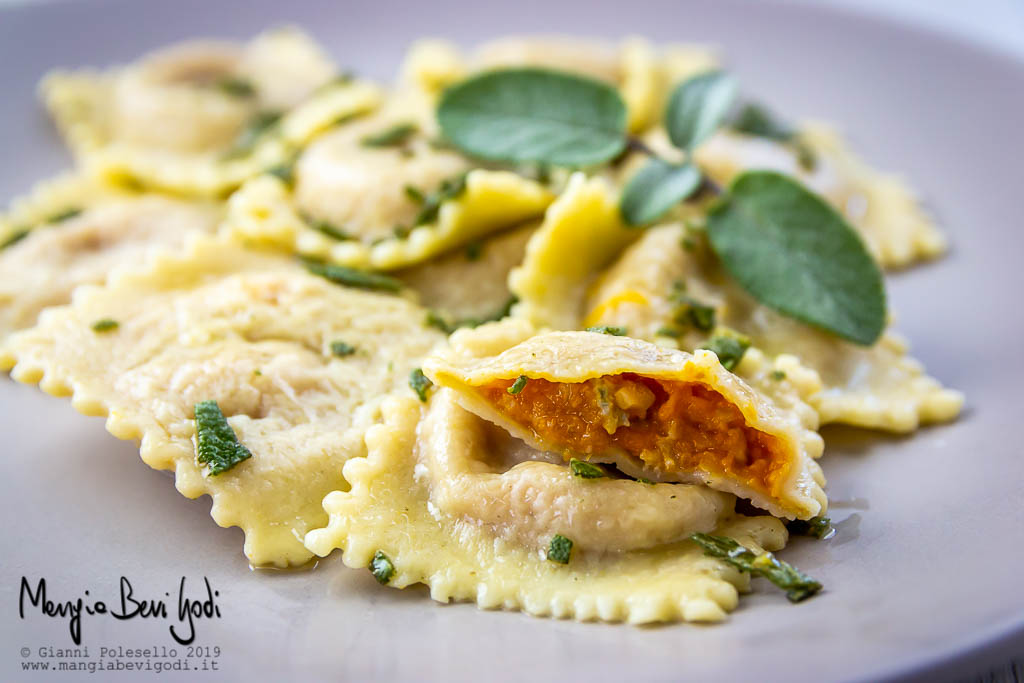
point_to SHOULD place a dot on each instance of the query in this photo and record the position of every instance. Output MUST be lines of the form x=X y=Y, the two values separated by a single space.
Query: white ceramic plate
x=925 y=567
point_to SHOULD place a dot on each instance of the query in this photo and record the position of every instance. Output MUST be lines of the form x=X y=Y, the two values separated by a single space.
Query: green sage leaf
x=791 y=250
x=655 y=189
x=697 y=108
x=217 y=445
x=534 y=115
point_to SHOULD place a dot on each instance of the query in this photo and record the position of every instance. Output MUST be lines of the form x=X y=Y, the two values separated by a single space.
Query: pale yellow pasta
x=188 y=119
x=75 y=231
x=264 y=211
x=878 y=387
x=581 y=234
x=254 y=332
x=470 y=283
x=389 y=510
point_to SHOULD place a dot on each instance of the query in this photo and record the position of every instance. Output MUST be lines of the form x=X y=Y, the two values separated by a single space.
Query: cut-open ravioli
x=201 y=117
x=656 y=413
x=72 y=231
x=659 y=278
x=264 y=211
x=388 y=516
x=298 y=365
x=878 y=205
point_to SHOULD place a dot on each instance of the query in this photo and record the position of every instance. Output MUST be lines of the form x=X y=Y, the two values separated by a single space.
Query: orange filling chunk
x=669 y=425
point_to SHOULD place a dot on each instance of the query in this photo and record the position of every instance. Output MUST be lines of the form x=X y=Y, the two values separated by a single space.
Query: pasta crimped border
x=263 y=212
x=461 y=561
x=156 y=449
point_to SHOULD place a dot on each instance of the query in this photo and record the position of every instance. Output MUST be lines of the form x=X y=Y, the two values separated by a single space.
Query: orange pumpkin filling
x=670 y=425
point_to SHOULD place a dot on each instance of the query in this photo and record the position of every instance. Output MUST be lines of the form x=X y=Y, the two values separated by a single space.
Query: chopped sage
x=236 y=86
x=105 y=325
x=285 y=172
x=560 y=549
x=326 y=228
x=342 y=349
x=420 y=384
x=474 y=251
x=382 y=568
x=614 y=330
x=689 y=311
x=352 y=277
x=14 y=238
x=65 y=215
x=818 y=527
x=518 y=385
x=259 y=125
x=217 y=445
x=394 y=136
x=729 y=347
x=438 y=320
x=431 y=204
x=798 y=586
x=586 y=470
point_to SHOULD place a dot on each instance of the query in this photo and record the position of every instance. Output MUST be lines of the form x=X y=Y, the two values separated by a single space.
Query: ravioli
x=254 y=332
x=885 y=212
x=199 y=118
x=878 y=387
x=389 y=512
x=72 y=231
x=654 y=412
x=641 y=72
x=486 y=264
x=264 y=212
x=581 y=233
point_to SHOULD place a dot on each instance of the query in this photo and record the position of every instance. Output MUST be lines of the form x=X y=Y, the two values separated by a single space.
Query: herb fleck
x=342 y=349
x=518 y=385
x=798 y=586
x=729 y=347
x=431 y=204
x=474 y=250
x=560 y=549
x=586 y=470
x=65 y=215
x=613 y=330
x=420 y=384
x=778 y=375
x=352 y=277
x=285 y=172
x=236 y=87
x=818 y=527
x=14 y=238
x=105 y=325
x=259 y=125
x=394 y=136
x=382 y=568
x=217 y=444
x=325 y=228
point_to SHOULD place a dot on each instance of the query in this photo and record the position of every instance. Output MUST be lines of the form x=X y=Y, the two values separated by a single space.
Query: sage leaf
x=534 y=115
x=791 y=250
x=697 y=108
x=754 y=119
x=655 y=189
